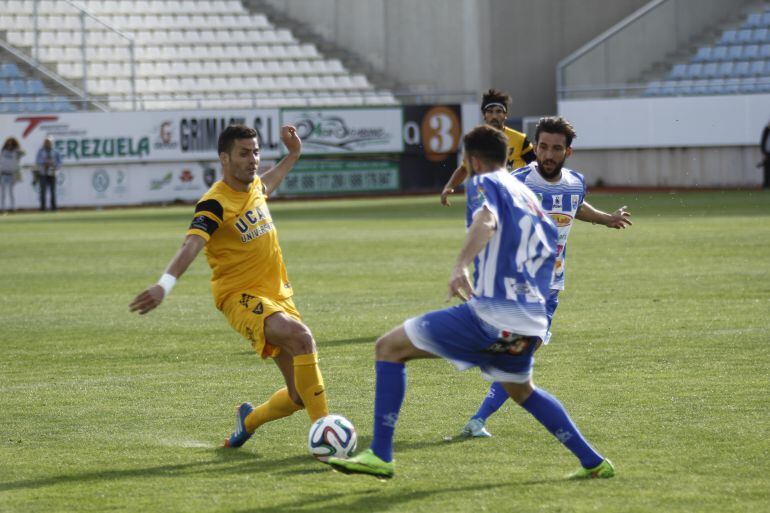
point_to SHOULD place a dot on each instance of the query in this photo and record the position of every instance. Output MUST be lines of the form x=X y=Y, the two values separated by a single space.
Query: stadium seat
x=678 y=71
x=753 y=20
x=757 y=68
x=694 y=70
x=669 y=88
x=766 y=19
x=699 y=86
x=175 y=40
x=703 y=54
x=731 y=86
x=36 y=87
x=750 y=52
x=747 y=85
x=652 y=89
x=710 y=70
x=734 y=52
x=715 y=86
x=719 y=53
x=760 y=35
x=10 y=70
x=744 y=36
x=725 y=69
x=18 y=86
x=763 y=85
x=741 y=69
x=729 y=37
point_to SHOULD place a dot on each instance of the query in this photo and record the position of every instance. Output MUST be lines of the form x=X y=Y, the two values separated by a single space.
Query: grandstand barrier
x=151 y=157
x=699 y=141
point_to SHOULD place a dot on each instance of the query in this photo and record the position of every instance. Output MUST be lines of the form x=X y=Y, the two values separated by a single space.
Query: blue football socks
x=492 y=402
x=389 y=393
x=551 y=414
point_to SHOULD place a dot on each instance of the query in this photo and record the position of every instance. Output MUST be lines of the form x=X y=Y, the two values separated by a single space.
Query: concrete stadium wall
x=705 y=141
x=714 y=167
x=465 y=45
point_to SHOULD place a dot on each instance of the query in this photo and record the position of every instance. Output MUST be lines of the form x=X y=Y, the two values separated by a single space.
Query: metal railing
x=85 y=16
x=612 y=64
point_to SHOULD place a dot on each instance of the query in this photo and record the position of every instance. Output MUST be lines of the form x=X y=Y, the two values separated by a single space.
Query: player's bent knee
x=386 y=349
x=519 y=392
x=395 y=346
x=301 y=342
x=289 y=334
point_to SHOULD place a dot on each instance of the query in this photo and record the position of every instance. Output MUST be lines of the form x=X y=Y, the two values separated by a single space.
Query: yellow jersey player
x=494 y=106
x=249 y=281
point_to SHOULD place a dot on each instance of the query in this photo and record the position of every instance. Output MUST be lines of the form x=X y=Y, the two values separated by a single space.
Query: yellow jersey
x=241 y=242
x=520 y=152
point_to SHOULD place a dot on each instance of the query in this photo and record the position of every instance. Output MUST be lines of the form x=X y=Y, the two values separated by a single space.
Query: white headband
x=495 y=104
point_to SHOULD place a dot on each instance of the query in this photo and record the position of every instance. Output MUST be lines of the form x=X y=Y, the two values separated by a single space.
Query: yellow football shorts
x=246 y=312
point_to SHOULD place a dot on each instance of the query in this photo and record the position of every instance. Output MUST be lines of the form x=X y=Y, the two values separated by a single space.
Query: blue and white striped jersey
x=513 y=272
x=561 y=200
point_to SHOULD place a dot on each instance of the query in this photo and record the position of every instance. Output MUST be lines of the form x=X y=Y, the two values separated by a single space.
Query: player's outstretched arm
x=153 y=295
x=619 y=219
x=273 y=177
x=456 y=179
x=480 y=231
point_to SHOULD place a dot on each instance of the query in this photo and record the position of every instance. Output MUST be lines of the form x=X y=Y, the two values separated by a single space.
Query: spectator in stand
x=48 y=162
x=10 y=171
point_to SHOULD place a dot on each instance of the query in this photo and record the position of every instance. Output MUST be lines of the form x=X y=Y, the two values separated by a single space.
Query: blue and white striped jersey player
x=502 y=320
x=562 y=194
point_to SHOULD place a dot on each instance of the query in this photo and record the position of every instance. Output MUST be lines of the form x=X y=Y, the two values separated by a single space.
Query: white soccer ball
x=332 y=435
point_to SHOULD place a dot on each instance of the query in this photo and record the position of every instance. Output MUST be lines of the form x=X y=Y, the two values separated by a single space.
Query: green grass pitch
x=661 y=353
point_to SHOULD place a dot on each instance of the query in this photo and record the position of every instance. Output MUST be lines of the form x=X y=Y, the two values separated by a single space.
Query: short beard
x=550 y=175
x=495 y=125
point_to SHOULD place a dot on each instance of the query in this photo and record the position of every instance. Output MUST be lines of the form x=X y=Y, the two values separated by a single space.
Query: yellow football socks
x=278 y=406
x=310 y=385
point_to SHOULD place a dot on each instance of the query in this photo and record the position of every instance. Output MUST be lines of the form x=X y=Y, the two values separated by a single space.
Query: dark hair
x=487 y=144
x=231 y=133
x=11 y=144
x=495 y=96
x=555 y=125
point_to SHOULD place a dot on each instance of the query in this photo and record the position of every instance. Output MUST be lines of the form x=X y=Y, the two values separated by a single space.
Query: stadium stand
x=24 y=94
x=737 y=62
x=188 y=54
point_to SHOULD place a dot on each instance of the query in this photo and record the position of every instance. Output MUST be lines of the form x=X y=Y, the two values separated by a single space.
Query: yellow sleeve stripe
x=200 y=233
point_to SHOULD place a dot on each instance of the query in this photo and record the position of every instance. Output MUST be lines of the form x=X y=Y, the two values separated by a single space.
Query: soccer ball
x=332 y=435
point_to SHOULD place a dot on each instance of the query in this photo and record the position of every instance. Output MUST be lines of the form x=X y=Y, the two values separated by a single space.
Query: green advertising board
x=313 y=177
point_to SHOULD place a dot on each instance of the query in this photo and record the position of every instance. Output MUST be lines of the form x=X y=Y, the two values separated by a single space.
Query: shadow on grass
x=384 y=495
x=322 y=344
x=223 y=461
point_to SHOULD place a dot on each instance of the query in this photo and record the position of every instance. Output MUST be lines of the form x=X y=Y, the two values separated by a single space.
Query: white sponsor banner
x=677 y=122
x=122 y=184
x=154 y=136
x=347 y=131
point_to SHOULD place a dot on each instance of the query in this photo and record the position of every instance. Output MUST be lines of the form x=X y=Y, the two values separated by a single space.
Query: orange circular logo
x=440 y=133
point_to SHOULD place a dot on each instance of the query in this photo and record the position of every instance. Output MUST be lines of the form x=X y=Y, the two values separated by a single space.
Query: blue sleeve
x=585 y=187
x=521 y=174
x=39 y=158
x=489 y=190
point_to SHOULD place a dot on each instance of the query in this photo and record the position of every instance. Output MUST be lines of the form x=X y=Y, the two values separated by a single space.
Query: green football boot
x=365 y=462
x=603 y=469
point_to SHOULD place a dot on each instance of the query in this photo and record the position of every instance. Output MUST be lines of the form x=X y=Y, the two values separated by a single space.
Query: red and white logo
x=33 y=122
